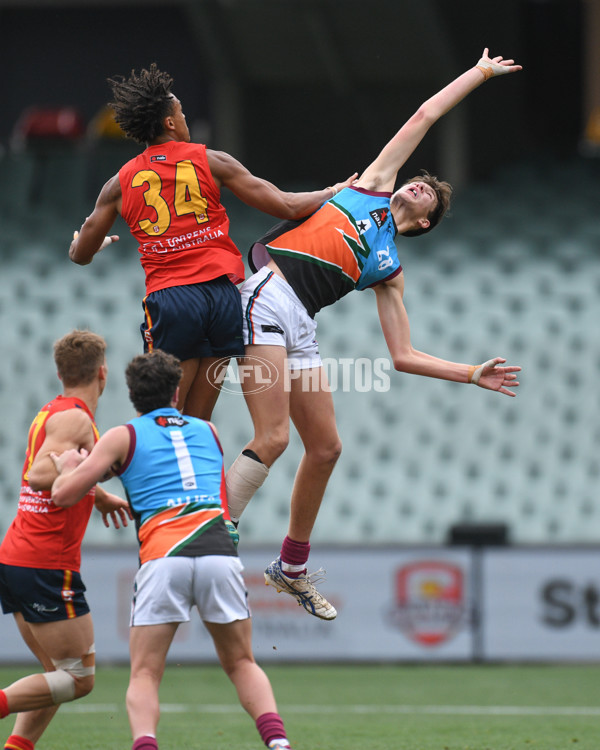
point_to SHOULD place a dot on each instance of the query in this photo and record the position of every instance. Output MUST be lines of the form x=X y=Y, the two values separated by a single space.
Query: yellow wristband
x=472 y=369
x=333 y=190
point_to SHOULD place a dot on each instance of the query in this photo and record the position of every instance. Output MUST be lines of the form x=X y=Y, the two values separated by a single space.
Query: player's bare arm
x=396 y=330
x=65 y=430
x=263 y=195
x=73 y=483
x=381 y=174
x=94 y=234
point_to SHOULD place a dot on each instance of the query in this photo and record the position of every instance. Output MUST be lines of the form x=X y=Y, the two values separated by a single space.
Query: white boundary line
x=183 y=708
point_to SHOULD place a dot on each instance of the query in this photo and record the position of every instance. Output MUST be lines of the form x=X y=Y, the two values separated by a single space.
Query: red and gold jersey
x=43 y=535
x=173 y=209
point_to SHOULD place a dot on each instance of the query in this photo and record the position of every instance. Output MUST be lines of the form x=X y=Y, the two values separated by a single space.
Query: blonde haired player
x=41 y=552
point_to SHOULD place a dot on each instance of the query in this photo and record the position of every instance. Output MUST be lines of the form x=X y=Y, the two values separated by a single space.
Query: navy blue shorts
x=42 y=595
x=194 y=321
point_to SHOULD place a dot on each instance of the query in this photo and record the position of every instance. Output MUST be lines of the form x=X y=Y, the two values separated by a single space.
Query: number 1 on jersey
x=184 y=461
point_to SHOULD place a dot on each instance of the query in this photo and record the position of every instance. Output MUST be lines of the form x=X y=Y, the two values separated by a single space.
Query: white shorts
x=165 y=590
x=274 y=315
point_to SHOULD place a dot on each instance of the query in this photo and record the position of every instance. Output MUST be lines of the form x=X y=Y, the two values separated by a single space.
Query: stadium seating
x=514 y=272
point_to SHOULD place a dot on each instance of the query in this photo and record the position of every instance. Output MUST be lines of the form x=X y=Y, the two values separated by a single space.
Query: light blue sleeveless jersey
x=370 y=213
x=176 y=461
x=347 y=244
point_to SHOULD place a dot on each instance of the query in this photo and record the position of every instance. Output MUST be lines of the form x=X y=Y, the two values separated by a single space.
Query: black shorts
x=42 y=595
x=194 y=321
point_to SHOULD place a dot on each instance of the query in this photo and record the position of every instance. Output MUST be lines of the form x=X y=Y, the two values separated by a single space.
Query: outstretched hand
x=496 y=66
x=494 y=378
x=347 y=183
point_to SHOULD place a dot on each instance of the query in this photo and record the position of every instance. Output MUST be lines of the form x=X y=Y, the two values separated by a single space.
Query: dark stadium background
x=311 y=90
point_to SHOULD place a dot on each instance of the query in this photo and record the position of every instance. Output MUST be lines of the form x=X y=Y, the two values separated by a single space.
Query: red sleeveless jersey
x=173 y=209
x=43 y=535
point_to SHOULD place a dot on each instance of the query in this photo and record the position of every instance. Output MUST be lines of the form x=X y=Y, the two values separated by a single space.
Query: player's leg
x=270 y=317
x=200 y=385
x=263 y=375
x=313 y=415
x=234 y=649
x=221 y=596
x=30 y=725
x=268 y=402
x=70 y=646
x=311 y=409
x=163 y=599
x=233 y=643
x=201 y=325
x=218 y=312
x=148 y=647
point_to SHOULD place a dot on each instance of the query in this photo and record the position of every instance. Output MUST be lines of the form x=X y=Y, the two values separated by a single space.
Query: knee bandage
x=62 y=681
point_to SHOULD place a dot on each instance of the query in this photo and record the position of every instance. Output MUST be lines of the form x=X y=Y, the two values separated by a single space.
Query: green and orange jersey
x=347 y=244
x=173 y=209
x=43 y=535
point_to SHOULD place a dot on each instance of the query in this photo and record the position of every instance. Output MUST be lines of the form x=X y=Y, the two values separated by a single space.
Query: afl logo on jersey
x=379 y=216
x=170 y=421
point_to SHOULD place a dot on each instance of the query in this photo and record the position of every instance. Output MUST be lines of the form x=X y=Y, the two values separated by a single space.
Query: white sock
x=244 y=477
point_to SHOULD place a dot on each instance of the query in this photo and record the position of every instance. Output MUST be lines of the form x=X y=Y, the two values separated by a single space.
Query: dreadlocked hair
x=141 y=103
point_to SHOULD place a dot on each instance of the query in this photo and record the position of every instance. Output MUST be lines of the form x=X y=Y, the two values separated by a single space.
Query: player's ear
x=103 y=372
x=424 y=223
x=175 y=399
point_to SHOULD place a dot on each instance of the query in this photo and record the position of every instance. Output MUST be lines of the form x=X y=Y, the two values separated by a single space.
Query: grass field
x=350 y=708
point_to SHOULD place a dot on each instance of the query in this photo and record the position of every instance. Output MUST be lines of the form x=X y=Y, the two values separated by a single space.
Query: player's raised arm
x=381 y=174
x=396 y=330
x=263 y=195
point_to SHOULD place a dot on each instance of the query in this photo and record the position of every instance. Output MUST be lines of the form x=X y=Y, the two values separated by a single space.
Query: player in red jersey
x=41 y=553
x=169 y=196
